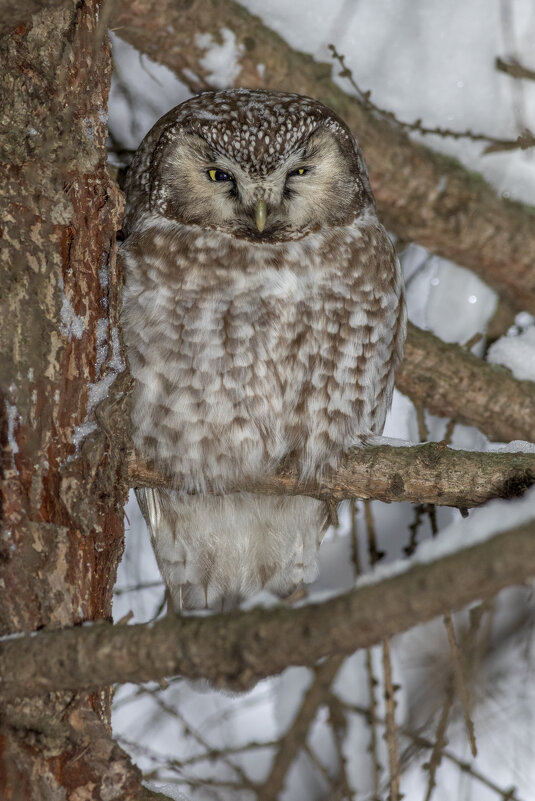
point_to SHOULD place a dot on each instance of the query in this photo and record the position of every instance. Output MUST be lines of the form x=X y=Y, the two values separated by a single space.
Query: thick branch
x=236 y=649
x=430 y=473
x=452 y=382
x=422 y=196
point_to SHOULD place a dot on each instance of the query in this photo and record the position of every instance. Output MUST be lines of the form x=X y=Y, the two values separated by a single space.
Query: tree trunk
x=61 y=495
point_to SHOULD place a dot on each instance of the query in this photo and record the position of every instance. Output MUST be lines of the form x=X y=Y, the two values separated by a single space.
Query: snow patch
x=72 y=324
x=220 y=60
x=80 y=432
x=99 y=390
x=13 y=418
x=103 y=275
x=516 y=446
x=517 y=352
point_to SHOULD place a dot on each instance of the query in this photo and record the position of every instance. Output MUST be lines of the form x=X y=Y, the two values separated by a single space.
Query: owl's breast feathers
x=244 y=352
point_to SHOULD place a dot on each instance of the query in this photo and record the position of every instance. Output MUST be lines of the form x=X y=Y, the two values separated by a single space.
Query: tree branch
x=236 y=649
x=422 y=196
x=452 y=382
x=430 y=473
x=514 y=69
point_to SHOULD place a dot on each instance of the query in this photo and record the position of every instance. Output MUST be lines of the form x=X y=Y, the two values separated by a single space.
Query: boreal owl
x=264 y=319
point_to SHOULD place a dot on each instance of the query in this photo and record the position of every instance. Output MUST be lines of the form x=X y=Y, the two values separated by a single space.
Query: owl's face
x=312 y=185
x=257 y=165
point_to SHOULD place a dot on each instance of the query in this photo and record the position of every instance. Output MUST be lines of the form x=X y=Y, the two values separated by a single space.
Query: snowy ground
x=433 y=61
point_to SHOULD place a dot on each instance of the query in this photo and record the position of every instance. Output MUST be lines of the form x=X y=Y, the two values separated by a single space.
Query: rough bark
x=236 y=649
x=61 y=511
x=422 y=196
x=430 y=473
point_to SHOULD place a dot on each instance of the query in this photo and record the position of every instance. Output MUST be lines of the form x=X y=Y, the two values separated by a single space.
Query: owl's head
x=265 y=166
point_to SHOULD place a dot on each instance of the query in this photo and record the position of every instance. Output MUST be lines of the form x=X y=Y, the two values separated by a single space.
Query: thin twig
x=438 y=747
x=419 y=509
x=514 y=69
x=375 y=554
x=460 y=685
x=320 y=767
x=448 y=433
x=423 y=430
x=524 y=141
x=354 y=536
x=338 y=721
x=196 y=735
x=391 y=736
x=295 y=737
x=419 y=740
x=372 y=717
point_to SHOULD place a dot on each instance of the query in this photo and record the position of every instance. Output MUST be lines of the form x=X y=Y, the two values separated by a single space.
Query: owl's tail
x=215 y=551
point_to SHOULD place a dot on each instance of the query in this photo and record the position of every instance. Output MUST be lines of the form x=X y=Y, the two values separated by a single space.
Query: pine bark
x=61 y=508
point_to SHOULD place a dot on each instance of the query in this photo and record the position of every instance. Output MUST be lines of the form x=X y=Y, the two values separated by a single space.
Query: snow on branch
x=422 y=196
x=235 y=650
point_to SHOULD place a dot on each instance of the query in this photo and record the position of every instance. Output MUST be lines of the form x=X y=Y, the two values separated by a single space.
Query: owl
x=264 y=319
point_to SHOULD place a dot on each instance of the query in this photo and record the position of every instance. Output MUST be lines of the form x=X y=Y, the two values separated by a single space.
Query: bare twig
x=514 y=69
x=375 y=554
x=354 y=536
x=523 y=142
x=295 y=737
x=466 y=767
x=338 y=721
x=423 y=431
x=311 y=754
x=460 y=684
x=438 y=747
x=391 y=736
x=373 y=720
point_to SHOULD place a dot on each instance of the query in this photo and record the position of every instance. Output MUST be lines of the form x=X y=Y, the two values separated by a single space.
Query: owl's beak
x=260 y=214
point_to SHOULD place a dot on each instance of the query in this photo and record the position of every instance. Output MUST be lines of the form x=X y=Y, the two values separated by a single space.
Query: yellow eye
x=219 y=175
x=298 y=171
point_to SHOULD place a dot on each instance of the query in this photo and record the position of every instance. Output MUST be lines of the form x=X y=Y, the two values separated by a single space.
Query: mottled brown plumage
x=252 y=341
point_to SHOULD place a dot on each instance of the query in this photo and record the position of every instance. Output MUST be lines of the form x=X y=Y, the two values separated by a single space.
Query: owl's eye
x=219 y=175
x=298 y=171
